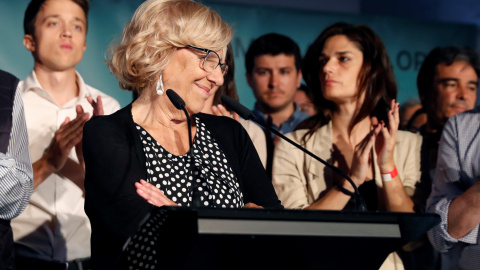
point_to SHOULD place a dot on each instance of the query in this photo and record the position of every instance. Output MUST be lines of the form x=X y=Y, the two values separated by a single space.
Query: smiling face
x=341 y=60
x=60 y=34
x=456 y=90
x=184 y=74
x=274 y=81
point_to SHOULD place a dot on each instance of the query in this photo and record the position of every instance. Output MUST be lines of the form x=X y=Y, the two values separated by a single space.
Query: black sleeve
x=8 y=86
x=256 y=186
x=114 y=208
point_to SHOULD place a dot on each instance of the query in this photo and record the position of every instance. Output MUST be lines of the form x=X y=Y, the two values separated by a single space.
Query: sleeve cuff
x=442 y=210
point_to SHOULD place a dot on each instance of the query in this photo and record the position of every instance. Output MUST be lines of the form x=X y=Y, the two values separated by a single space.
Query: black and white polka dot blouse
x=215 y=181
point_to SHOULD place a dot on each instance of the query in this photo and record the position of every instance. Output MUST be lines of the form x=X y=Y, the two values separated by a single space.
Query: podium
x=209 y=238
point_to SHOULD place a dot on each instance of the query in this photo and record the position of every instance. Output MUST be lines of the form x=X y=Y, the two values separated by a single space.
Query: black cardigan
x=114 y=161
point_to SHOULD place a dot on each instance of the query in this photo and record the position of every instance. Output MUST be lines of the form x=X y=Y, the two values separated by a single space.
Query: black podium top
x=280 y=239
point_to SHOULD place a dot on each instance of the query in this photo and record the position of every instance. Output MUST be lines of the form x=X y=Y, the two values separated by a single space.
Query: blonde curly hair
x=157 y=29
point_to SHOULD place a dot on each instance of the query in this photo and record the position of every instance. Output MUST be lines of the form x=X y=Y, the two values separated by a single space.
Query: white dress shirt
x=54 y=226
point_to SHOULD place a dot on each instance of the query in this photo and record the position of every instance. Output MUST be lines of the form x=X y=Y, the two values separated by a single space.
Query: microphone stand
x=359 y=203
x=195 y=196
x=180 y=105
x=247 y=114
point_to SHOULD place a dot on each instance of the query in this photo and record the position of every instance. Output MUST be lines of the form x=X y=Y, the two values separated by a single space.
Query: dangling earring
x=159 y=88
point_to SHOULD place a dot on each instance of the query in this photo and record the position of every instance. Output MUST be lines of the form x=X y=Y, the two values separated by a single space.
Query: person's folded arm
x=16 y=176
x=458 y=208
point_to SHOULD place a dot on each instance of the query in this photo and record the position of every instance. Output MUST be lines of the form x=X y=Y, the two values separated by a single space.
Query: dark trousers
x=23 y=263
x=7 y=261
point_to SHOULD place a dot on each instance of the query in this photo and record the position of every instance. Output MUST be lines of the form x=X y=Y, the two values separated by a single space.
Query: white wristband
x=387 y=177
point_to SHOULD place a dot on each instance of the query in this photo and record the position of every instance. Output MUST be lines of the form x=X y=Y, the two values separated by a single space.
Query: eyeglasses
x=211 y=60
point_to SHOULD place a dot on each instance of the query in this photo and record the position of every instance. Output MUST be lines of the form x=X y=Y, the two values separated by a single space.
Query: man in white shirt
x=54 y=232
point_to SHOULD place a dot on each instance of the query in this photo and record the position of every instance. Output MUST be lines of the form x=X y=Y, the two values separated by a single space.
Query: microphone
x=176 y=100
x=179 y=103
x=247 y=114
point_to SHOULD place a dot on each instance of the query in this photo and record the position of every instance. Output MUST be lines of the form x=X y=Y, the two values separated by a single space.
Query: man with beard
x=273 y=65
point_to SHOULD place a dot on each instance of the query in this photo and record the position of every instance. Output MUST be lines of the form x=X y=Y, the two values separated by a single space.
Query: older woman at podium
x=141 y=157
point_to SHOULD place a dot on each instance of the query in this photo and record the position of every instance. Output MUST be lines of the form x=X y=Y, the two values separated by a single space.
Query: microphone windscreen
x=237 y=107
x=175 y=99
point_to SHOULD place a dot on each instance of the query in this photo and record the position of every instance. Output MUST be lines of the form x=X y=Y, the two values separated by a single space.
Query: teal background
x=407 y=40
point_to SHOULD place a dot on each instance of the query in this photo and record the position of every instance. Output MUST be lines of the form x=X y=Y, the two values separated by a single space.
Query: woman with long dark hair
x=349 y=71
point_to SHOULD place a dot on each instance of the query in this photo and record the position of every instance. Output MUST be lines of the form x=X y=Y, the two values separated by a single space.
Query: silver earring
x=159 y=88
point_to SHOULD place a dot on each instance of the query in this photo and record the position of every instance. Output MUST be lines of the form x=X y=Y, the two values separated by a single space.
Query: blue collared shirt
x=458 y=168
x=287 y=126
